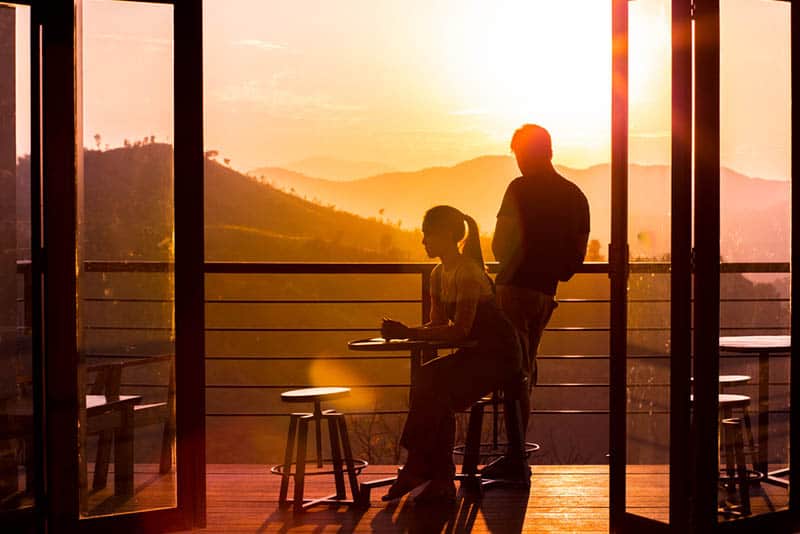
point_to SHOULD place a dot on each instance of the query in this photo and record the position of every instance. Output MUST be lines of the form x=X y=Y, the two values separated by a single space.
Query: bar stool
x=339 y=446
x=732 y=444
x=473 y=449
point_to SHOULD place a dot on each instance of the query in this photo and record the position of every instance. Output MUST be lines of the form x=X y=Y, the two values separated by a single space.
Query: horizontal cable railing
x=421 y=269
x=262 y=341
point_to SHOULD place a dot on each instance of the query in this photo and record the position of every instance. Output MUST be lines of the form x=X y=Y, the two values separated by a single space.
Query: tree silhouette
x=593 y=251
x=97 y=140
x=210 y=154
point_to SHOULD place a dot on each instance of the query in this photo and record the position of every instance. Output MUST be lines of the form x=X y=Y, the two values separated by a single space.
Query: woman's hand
x=394 y=329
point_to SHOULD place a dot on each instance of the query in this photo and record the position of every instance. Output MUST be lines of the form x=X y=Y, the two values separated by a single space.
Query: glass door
x=122 y=171
x=20 y=469
x=650 y=269
x=701 y=391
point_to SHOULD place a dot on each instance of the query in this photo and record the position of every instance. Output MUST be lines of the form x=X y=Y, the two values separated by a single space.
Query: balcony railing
x=277 y=326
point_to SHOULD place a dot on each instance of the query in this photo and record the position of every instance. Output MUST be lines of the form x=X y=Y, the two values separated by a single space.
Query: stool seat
x=730 y=400
x=730 y=380
x=733 y=380
x=314 y=394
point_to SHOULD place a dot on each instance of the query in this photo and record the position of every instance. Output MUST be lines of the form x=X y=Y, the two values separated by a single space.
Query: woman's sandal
x=438 y=491
x=406 y=481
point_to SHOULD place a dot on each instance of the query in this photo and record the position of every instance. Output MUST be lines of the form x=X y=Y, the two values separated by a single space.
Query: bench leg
x=104 y=442
x=123 y=453
x=167 y=441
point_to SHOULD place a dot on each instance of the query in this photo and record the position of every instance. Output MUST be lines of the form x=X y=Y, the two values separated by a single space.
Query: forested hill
x=127 y=211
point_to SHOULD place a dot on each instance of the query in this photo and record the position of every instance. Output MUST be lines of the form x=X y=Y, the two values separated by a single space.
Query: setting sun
x=533 y=61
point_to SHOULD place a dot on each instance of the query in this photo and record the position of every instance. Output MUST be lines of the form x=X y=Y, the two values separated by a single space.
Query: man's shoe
x=508 y=469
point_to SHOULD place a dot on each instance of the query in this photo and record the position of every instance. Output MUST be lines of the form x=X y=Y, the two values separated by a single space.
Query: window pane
x=125 y=247
x=755 y=198
x=649 y=211
x=16 y=376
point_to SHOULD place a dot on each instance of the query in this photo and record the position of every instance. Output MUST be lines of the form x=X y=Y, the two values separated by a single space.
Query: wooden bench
x=108 y=382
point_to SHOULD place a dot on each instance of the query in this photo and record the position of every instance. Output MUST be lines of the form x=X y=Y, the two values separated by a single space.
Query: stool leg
x=495 y=418
x=741 y=468
x=287 y=459
x=336 y=453
x=728 y=450
x=300 y=472
x=516 y=441
x=473 y=441
x=750 y=439
x=318 y=421
x=348 y=457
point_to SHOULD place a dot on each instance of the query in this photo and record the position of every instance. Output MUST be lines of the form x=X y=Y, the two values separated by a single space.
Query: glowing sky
x=414 y=83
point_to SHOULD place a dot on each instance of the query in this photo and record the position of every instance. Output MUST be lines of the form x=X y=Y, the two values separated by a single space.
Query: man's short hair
x=532 y=140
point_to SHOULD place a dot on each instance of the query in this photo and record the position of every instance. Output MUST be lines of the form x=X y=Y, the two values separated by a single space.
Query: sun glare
x=536 y=61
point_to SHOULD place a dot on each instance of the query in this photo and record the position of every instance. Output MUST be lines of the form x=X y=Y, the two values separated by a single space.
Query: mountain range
x=288 y=216
x=754 y=211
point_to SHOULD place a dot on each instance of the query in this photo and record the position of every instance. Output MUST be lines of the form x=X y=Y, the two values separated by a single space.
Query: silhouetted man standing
x=540 y=239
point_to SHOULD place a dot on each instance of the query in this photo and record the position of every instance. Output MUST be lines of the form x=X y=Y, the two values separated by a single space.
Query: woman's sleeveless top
x=494 y=333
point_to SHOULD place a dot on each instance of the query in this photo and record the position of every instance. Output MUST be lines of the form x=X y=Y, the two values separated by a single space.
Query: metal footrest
x=488 y=450
x=358 y=466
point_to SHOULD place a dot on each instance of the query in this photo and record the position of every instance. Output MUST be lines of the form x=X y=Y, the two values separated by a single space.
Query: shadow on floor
x=498 y=511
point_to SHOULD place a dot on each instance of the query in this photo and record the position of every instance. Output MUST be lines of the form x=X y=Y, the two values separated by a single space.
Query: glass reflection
x=125 y=245
x=755 y=87
x=16 y=380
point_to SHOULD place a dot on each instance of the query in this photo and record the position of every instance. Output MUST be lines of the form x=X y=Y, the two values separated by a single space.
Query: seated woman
x=462 y=308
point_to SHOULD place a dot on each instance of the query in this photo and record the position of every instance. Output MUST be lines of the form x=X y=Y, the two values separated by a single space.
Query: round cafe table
x=761 y=347
x=421 y=351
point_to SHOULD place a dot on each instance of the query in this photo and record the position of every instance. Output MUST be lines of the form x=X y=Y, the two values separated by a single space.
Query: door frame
x=692 y=506
x=62 y=147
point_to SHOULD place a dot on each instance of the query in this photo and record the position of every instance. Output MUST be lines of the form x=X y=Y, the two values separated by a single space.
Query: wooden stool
x=732 y=431
x=473 y=448
x=339 y=445
x=733 y=445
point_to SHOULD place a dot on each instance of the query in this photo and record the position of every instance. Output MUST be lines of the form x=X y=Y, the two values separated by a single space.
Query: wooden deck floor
x=562 y=498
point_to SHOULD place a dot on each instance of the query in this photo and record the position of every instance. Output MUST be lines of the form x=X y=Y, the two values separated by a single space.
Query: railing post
x=426 y=295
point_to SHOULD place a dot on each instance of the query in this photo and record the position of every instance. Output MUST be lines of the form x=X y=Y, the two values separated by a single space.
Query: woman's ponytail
x=472 y=243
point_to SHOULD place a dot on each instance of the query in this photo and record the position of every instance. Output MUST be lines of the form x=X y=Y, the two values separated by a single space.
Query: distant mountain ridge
x=331 y=168
x=128 y=204
x=752 y=230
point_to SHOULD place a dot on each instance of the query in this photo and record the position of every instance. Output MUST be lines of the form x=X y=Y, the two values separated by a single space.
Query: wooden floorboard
x=562 y=498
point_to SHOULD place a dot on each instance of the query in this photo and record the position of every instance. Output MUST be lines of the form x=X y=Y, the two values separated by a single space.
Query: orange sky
x=415 y=83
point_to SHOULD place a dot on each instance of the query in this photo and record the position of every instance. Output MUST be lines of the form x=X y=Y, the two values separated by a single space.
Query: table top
x=24 y=406
x=380 y=344
x=755 y=343
x=94 y=402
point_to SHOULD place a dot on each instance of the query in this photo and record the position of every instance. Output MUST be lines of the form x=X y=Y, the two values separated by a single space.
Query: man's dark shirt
x=553 y=212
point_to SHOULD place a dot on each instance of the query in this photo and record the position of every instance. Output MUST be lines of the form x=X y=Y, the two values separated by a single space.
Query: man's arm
x=576 y=248
x=506 y=241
